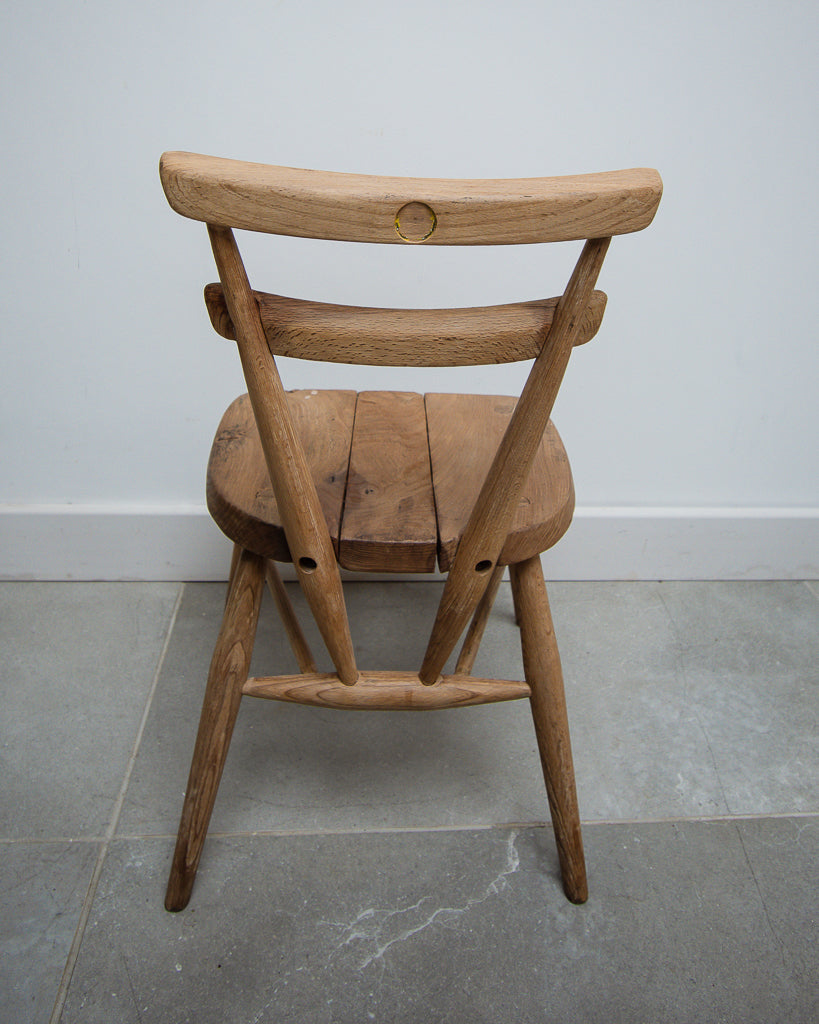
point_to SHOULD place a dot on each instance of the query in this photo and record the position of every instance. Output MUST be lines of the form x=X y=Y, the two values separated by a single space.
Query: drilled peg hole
x=483 y=565
x=307 y=564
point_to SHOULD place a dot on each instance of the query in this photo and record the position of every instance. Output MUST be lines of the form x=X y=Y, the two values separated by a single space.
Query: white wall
x=691 y=421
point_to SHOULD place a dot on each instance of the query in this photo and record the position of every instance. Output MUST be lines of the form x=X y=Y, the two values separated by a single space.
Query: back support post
x=492 y=514
x=302 y=518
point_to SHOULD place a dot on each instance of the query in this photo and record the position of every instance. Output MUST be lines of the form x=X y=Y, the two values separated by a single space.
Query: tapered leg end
x=541 y=664
x=178 y=896
x=575 y=885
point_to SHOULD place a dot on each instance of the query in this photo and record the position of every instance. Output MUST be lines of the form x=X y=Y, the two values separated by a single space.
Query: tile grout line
x=398 y=830
x=85 y=912
x=498 y=826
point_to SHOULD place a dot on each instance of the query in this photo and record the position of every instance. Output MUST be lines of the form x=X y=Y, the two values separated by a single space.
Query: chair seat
x=397 y=475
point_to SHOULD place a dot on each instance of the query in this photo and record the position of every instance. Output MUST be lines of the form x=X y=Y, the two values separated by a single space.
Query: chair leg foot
x=541 y=663
x=228 y=672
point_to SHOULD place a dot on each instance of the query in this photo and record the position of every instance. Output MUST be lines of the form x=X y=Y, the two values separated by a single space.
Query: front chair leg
x=228 y=672
x=541 y=665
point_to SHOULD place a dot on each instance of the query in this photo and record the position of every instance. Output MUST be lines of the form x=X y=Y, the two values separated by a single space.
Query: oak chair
x=393 y=482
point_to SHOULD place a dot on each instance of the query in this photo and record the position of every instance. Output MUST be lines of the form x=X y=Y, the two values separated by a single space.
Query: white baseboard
x=688 y=544
x=91 y=542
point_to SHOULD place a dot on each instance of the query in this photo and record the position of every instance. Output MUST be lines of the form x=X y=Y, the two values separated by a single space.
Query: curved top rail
x=436 y=211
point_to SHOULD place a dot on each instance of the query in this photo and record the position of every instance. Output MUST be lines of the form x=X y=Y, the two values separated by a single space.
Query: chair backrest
x=435 y=211
x=228 y=194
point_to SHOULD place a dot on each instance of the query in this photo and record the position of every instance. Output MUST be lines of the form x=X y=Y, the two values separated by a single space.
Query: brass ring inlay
x=415 y=222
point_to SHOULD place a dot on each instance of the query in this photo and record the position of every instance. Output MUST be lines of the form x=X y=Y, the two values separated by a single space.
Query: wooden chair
x=385 y=481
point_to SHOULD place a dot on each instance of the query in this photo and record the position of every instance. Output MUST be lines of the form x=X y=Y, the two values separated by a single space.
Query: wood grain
x=235 y=555
x=284 y=606
x=474 y=635
x=239 y=492
x=364 y=208
x=541 y=664
x=223 y=693
x=404 y=337
x=391 y=522
x=307 y=536
x=385 y=691
x=546 y=504
x=389 y=514
x=495 y=468
x=488 y=525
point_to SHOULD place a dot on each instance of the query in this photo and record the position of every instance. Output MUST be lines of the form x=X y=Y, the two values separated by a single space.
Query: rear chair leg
x=466 y=659
x=234 y=561
x=541 y=664
x=298 y=643
x=228 y=672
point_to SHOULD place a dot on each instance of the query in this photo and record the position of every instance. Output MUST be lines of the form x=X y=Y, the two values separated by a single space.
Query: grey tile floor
x=397 y=867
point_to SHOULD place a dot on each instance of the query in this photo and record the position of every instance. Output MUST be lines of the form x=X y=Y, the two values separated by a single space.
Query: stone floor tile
x=783 y=855
x=42 y=889
x=747 y=662
x=293 y=767
x=446 y=926
x=78 y=662
x=642 y=750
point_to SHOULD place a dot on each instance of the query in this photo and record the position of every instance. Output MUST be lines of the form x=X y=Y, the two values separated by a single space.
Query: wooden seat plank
x=389 y=514
x=239 y=493
x=391 y=522
x=464 y=434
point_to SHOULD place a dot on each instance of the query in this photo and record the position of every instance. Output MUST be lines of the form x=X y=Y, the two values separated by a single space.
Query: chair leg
x=228 y=673
x=541 y=663
x=287 y=613
x=234 y=561
x=466 y=659
x=515 y=602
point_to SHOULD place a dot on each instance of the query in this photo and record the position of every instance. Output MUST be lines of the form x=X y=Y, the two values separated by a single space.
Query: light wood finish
x=228 y=673
x=386 y=691
x=234 y=562
x=541 y=665
x=403 y=337
x=239 y=492
x=298 y=642
x=365 y=208
x=389 y=521
x=474 y=635
x=300 y=509
x=546 y=503
x=389 y=517
x=385 y=481
x=488 y=526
